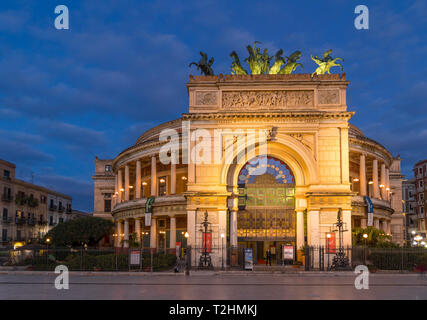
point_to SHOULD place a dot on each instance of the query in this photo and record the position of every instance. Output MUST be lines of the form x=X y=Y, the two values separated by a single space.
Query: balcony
x=41 y=222
x=31 y=222
x=6 y=220
x=6 y=241
x=6 y=197
x=61 y=209
x=69 y=211
x=20 y=220
x=53 y=207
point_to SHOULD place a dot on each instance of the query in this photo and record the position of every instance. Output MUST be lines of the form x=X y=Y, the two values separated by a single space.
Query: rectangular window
x=162 y=186
x=4 y=235
x=107 y=205
x=108 y=168
x=6 y=174
x=5 y=214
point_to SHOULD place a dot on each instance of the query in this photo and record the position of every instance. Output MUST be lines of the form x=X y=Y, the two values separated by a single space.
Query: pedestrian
x=268 y=255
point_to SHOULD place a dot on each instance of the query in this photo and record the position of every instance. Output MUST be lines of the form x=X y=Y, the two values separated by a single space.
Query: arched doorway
x=266 y=218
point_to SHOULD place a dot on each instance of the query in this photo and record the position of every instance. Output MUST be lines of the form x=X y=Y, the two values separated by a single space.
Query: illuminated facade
x=295 y=163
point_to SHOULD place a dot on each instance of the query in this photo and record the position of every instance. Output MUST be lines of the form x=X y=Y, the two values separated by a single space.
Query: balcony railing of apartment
x=61 y=209
x=31 y=222
x=20 y=220
x=69 y=211
x=41 y=222
x=6 y=220
x=53 y=207
x=6 y=241
x=51 y=223
x=6 y=197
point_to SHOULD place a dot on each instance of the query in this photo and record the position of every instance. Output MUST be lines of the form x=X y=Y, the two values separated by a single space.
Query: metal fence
x=84 y=259
x=403 y=259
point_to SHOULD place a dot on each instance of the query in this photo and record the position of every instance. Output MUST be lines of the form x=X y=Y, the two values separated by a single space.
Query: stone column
x=153 y=177
x=313 y=229
x=233 y=228
x=222 y=242
x=362 y=175
x=313 y=233
x=173 y=178
x=126 y=236
x=377 y=223
x=138 y=180
x=346 y=218
x=126 y=182
x=387 y=183
x=138 y=230
x=120 y=178
x=116 y=190
x=375 y=179
x=172 y=234
x=300 y=229
x=385 y=226
x=153 y=233
x=383 y=191
x=118 y=234
x=389 y=228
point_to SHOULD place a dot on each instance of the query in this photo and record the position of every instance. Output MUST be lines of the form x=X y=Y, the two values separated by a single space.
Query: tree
x=376 y=238
x=80 y=231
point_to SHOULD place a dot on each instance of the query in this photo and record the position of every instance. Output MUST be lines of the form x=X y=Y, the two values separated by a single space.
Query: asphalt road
x=213 y=287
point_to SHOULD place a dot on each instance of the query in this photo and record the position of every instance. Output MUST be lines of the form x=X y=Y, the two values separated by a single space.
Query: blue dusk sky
x=67 y=96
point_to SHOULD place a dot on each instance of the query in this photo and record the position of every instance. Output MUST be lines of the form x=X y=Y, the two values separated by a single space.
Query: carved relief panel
x=328 y=96
x=274 y=99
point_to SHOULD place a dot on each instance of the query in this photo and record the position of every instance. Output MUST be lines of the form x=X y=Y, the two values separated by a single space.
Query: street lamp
x=365 y=236
x=222 y=251
x=47 y=251
x=187 y=258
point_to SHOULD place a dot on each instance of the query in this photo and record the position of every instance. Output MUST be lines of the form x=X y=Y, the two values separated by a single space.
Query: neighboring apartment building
x=104 y=182
x=397 y=228
x=409 y=204
x=28 y=211
x=420 y=174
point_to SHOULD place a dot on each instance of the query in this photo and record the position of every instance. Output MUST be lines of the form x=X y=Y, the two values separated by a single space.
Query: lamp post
x=340 y=261
x=222 y=251
x=187 y=257
x=205 y=258
x=365 y=236
x=47 y=251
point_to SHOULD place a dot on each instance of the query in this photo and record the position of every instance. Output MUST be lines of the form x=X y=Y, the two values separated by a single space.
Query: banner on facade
x=330 y=243
x=249 y=262
x=207 y=241
x=147 y=219
x=370 y=211
x=288 y=252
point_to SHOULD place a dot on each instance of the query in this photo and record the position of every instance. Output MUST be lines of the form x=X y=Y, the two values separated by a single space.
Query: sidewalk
x=300 y=273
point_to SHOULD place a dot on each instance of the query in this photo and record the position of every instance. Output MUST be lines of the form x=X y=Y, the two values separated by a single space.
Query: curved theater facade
x=267 y=160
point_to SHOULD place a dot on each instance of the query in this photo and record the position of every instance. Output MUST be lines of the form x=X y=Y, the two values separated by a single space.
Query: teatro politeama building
x=263 y=161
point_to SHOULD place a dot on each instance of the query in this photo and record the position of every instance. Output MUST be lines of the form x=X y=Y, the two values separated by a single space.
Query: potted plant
x=372 y=268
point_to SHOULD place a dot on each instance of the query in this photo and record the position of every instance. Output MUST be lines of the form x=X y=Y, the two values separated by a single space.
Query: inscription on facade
x=275 y=99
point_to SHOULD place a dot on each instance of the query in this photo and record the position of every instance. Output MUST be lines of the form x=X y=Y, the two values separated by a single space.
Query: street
x=214 y=286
